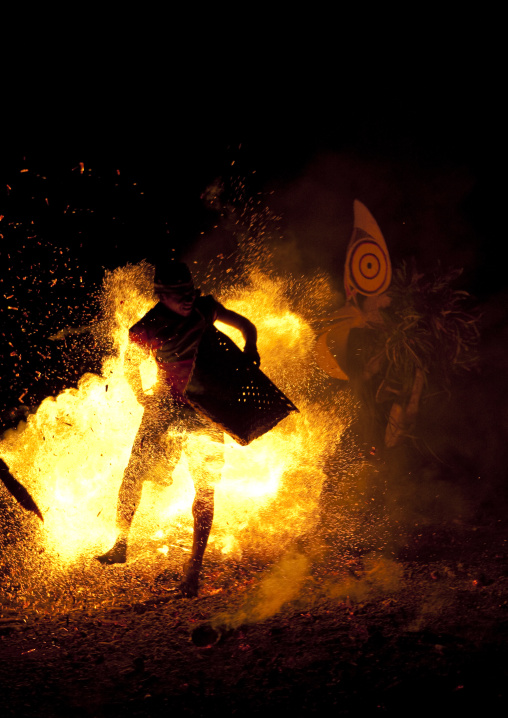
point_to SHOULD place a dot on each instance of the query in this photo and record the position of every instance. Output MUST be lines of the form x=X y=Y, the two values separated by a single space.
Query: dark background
x=404 y=112
x=421 y=144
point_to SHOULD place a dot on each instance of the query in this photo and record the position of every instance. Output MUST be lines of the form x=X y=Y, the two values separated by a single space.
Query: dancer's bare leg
x=205 y=459
x=146 y=450
x=129 y=498
x=202 y=511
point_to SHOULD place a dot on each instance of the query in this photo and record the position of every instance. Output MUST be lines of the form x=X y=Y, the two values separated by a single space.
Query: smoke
x=381 y=575
x=421 y=205
x=282 y=584
x=293 y=580
x=428 y=209
x=299 y=231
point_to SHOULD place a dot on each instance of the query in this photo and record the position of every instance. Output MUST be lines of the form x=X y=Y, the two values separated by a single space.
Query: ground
x=432 y=640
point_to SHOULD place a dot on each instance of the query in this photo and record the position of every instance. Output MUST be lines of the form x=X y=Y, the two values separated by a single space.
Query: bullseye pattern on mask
x=368 y=267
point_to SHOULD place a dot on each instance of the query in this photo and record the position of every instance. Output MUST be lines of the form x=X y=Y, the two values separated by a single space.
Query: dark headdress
x=173 y=275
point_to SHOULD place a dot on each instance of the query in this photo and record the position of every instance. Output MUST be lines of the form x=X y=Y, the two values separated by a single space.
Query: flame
x=72 y=452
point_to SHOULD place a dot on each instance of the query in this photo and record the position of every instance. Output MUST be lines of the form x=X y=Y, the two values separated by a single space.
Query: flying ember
x=71 y=454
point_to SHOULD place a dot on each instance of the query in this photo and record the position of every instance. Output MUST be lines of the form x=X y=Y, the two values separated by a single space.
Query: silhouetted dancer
x=174 y=330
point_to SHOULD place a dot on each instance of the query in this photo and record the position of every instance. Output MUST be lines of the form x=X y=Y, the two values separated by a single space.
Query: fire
x=72 y=452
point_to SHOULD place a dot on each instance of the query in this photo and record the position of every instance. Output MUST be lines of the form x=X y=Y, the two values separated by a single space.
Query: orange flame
x=72 y=453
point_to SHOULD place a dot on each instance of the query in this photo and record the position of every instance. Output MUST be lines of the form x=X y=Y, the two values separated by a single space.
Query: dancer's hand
x=251 y=352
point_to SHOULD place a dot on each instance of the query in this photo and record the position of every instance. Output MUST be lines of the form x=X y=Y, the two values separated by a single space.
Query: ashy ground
x=423 y=633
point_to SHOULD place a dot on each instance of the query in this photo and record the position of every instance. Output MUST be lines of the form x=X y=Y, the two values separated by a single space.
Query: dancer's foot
x=189 y=586
x=116 y=554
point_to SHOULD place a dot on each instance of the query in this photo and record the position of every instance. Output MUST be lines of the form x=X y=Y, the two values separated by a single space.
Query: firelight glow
x=72 y=452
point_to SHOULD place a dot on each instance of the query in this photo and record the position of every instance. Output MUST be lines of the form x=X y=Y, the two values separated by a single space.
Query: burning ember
x=72 y=452
x=301 y=484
